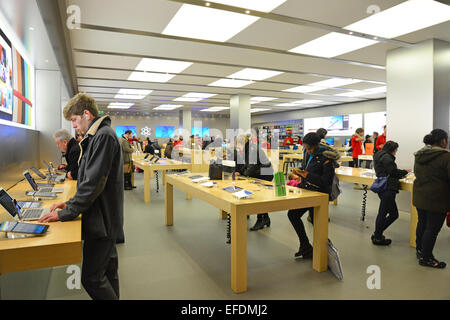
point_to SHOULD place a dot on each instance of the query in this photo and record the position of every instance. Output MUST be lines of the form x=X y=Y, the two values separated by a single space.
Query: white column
x=186 y=123
x=49 y=113
x=418 y=95
x=240 y=117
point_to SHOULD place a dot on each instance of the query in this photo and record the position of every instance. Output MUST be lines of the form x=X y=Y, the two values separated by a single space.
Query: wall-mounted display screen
x=16 y=85
x=164 y=131
x=374 y=122
x=200 y=131
x=6 y=89
x=344 y=125
x=120 y=130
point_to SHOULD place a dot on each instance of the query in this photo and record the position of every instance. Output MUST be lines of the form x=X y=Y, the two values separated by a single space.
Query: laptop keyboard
x=32 y=213
x=46 y=190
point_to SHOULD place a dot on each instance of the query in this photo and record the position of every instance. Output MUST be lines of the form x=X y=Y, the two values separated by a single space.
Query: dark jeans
x=355 y=163
x=428 y=227
x=99 y=274
x=387 y=212
x=295 y=217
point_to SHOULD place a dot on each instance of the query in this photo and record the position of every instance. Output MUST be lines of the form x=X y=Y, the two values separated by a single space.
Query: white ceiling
x=104 y=60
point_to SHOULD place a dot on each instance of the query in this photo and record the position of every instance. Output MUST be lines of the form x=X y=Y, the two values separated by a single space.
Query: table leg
x=169 y=204
x=222 y=215
x=147 y=174
x=164 y=177
x=238 y=252
x=320 y=242
x=188 y=196
x=413 y=224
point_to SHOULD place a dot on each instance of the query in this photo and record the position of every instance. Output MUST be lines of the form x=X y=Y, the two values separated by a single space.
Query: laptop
x=40 y=188
x=13 y=208
x=50 y=179
x=51 y=172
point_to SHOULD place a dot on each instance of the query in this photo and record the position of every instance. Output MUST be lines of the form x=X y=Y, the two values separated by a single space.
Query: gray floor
x=191 y=260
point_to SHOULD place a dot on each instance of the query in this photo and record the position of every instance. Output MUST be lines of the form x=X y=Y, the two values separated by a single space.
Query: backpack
x=335 y=189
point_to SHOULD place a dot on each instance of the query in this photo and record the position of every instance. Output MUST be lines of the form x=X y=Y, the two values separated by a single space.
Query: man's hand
x=408 y=170
x=52 y=216
x=69 y=175
x=60 y=205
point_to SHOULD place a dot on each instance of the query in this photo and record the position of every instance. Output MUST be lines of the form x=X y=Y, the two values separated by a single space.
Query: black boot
x=304 y=252
x=262 y=221
x=380 y=241
x=127 y=181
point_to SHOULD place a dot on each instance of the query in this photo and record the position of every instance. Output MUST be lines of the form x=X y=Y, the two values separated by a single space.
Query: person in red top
x=288 y=141
x=381 y=140
x=299 y=141
x=357 y=140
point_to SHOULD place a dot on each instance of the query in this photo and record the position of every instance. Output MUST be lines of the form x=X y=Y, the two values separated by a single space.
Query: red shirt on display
x=357 y=147
x=381 y=141
x=288 y=141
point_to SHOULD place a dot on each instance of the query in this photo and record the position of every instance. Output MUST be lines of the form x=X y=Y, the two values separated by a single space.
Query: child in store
x=294 y=179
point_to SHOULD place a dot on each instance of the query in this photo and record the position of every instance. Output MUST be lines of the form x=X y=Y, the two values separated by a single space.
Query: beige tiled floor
x=192 y=261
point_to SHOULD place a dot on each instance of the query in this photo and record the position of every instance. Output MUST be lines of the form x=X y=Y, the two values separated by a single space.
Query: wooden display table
x=263 y=200
x=163 y=165
x=366 y=177
x=60 y=246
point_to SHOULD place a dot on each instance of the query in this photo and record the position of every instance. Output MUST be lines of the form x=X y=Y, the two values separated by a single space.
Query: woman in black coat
x=385 y=166
x=431 y=194
x=317 y=173
x=256 y=165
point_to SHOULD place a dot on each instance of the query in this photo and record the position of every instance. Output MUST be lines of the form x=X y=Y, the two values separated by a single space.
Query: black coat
x=431 y=189
x=99 y=195
x=72 y=155
x=320 y=172
x=385 y=166
x=254 y=164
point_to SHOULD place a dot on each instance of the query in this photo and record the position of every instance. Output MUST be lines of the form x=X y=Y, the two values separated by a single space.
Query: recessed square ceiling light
x=325 y=84
x=168 y=107
x=377 y=89
x=258 y=110
x=150 y=77
x=306 y=101
x=366 y=92
x=117 y=105
x=332 y=44
x=406 y=17
x=261 y=99
x=258 y=5
x=162 y=65
x=287 y=104
x=254 y=74
x=303 y=89
x=231 y=83
x=215 y=109
x=206 y=23
x=335 y=82
x=194 y=96
x=132 y=94
x=352 y=94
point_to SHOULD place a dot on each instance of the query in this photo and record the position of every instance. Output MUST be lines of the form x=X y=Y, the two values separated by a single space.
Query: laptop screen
x=40 y=174
x=48 y=167
x=30 y=180
x=7 y=202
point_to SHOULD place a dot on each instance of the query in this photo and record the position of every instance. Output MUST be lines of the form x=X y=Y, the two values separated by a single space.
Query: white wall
x=336 y=110
x=166 y=119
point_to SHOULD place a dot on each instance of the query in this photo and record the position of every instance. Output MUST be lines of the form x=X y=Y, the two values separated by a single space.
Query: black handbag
x=215 y=170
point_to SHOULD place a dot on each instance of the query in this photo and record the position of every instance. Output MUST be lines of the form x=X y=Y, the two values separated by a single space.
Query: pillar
x=418 y=95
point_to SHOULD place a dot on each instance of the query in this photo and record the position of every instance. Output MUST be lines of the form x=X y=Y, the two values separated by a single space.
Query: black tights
x=295 y=217
x=428 y=227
